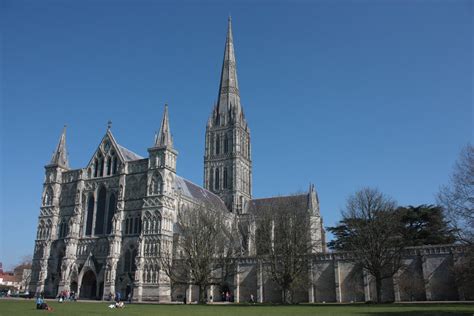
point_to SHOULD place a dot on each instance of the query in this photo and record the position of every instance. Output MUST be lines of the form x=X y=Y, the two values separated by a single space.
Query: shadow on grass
x=429 y=309
x=417 y=313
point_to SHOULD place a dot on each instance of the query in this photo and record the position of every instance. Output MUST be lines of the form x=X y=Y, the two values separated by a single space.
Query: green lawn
x=27 y=307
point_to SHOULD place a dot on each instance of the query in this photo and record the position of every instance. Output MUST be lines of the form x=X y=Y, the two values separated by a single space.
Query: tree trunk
x=286 y=296
x=378 y=288
x=202 y=294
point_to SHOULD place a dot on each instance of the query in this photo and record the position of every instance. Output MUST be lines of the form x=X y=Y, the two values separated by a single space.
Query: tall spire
x=164 y=135
x=229 y=97
x=60 y=156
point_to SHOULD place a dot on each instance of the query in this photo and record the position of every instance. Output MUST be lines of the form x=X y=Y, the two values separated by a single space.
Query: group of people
x=66 y=296
x=118 y=300
x=227 y=297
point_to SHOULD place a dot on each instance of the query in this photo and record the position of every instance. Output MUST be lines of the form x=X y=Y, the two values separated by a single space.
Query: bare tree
x=283 y=241
x=371 y=230
x=205 y=249
x=457 y=199
x=22 y=271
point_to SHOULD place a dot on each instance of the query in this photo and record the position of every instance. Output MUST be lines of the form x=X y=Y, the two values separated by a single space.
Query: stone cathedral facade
x=101 y=228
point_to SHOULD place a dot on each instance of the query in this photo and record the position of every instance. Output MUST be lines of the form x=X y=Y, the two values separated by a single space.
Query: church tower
x=227 y=159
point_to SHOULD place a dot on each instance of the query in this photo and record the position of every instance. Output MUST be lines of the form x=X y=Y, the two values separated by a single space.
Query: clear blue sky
x=343 y=94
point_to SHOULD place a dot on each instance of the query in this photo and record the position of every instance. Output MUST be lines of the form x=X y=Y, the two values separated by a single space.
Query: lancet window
x=156 y=185
x=48 y=196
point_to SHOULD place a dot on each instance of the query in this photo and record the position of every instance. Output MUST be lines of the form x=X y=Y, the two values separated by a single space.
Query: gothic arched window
x=136 y=225
x=41 y=230
x=61 y=230
x=156 y=185
x=96 y=168
x=218 y=140
x=225 y=178
x=109 y=165
x=127 y=226
x=101 y=169
x=226 y=144
x=110 y=213
x=114 y=163
x=48 y=196
x=90 y=215
x=211 y=178
x=217 y=184
x=100 y=216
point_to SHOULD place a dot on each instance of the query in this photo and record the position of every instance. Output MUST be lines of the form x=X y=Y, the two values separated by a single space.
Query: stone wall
x=427 y=274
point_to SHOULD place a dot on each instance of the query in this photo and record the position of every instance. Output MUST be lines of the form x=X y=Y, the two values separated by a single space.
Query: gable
x=108 y=157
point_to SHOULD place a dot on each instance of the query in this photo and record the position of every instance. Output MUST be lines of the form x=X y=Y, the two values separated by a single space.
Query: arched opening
x=129 y=260
x=48 y=196
x=110 y=213
x=211 y=180
x=74 y=286
x=216 y=180
x=101 y=290
x=90 y=215
x=96 y=168
x=225 y=178
x=156 y=185
x=101 y=168
x=89 y=285
x=114 y=164
x=100 y=216
x=109 y=165
x=226 y=144
x=217 y=144
x=128 y=290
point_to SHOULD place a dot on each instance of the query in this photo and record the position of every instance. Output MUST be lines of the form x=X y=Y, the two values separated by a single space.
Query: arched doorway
x=89 y=285
x=74 y=286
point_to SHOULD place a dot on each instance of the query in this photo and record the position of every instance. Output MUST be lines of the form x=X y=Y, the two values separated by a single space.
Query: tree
x=457 y=198
x=22 y=271
x=370 y=229
x=425 y=225
x=205 y=249
x=283 y=241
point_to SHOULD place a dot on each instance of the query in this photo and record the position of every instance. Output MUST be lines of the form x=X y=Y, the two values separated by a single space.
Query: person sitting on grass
x=40 y=304
x=117 y=305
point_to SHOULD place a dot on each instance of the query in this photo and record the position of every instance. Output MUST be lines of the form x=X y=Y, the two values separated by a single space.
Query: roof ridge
x=279 y=196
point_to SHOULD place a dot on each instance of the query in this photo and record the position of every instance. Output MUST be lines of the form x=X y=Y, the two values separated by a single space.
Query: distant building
x=9 y=280
x=19 y=278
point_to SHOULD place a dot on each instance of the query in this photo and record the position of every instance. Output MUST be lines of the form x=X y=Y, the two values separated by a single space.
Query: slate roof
x=127 y=154
x=256 y=205
x=198 y=193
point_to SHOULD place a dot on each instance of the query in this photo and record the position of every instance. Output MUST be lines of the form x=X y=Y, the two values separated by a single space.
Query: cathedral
x=101 y=227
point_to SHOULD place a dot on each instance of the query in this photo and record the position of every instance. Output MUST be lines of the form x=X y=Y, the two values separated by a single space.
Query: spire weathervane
x=109 y=125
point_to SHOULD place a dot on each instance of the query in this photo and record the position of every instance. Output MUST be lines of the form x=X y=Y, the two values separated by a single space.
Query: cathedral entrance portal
x=89 y=285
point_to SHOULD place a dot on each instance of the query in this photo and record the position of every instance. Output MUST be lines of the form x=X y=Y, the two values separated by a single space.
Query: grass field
x=27 y=307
